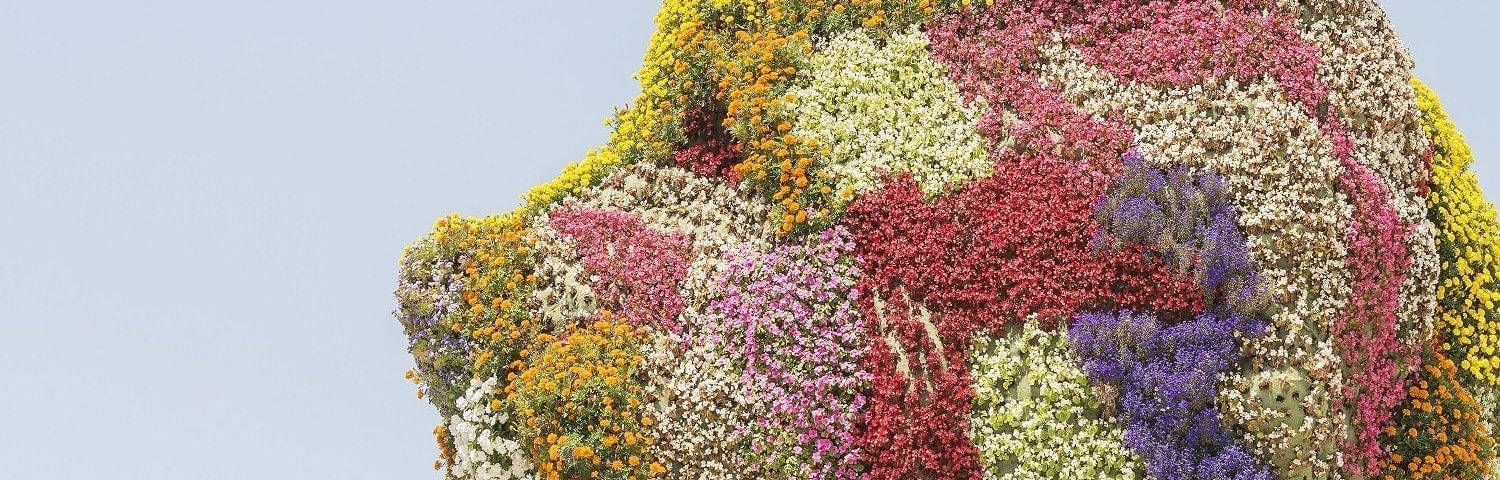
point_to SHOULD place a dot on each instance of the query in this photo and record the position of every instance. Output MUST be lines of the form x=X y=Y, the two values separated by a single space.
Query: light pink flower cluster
x=1183 y=44
x=790 y=313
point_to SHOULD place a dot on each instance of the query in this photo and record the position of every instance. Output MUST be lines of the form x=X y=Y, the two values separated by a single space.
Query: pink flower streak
x=1366 y=332
x=1183 y=44
x=636 y=267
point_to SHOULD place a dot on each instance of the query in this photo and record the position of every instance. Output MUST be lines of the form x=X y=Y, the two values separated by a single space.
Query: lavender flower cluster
x=1167 y=376
x=429 y=294
x=1190 y=221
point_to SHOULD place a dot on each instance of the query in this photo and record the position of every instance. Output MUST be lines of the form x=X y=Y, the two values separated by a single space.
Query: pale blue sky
x=202 y=204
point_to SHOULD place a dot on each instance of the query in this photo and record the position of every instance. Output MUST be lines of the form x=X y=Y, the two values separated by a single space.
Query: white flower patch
x=693 y=388
x=1283 y=178
x=1368 y=72
x=562 y=292
x=1035 y=416
x=481 y=450
x=876 y=110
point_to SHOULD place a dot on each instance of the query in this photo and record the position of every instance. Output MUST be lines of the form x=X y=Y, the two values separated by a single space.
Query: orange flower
x=582 y=451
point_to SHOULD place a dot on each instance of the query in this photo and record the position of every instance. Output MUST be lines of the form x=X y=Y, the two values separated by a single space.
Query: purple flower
x=1167 y=377
x=1168 y=374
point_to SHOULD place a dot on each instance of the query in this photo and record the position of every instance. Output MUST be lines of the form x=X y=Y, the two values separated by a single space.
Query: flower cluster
x=1168 y=374
x=1438 y=432
x=1468 y=291
x=483 y=438
x=1489 y=410
x=462 y=294
x=916 y=425
x=711 y=216
x=1344 y=171
x=693 y=387
x=1292 y=218
x=965 y=264
x=429 y=311
x=963 y=239
x=579 y=404
x=1375 y=361
x=966 y=255
x=634 y=268
x=709 y=150
x=885 y=109
x=1037 y=417
x=574 y=179
x=1167 y=380
x=746 y=56
x=790 y=315
x=1189 y=221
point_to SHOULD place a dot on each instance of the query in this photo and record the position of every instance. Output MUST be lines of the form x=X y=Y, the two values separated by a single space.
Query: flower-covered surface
x=1167 y=375
x=790 y=317
x=842 y=239
x=1468 y=287
x=1036 y=416
x=877 y=110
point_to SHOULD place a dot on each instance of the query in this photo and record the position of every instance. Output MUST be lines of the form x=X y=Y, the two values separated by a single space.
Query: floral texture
x=1189 y=222
x=1036 y=416
x=1168 y=375
x=579 y=404
x=790 y=315
x=1437 y=432
x=483 y=439
x=885 y=109
x=634 y=268
x=462 y=302
x=964 y=239
x=1469 y=245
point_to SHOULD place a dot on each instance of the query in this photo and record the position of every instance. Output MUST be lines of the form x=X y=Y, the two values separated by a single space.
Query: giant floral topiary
x=983 y=239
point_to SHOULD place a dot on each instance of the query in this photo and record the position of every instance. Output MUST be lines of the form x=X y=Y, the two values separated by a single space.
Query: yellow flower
x=1468 y=236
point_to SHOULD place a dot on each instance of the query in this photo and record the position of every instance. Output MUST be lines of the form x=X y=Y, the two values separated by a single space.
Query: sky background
x=203 y=202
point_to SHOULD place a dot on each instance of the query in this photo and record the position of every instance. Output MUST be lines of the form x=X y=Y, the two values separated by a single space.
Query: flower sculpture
x=983 y=239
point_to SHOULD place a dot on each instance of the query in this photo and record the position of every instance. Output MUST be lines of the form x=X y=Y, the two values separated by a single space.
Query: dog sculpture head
x=942 y=239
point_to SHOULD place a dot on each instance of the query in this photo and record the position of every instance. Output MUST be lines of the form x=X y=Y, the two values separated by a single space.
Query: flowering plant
x=578 y=403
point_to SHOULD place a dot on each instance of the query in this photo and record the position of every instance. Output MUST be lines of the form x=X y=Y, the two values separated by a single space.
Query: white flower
x=1032 y=402
x=480 y=453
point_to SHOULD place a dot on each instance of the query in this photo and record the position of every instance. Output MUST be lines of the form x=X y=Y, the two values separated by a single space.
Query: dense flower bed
x=1036 y=416
x=963 y=239
x=1469 y=235
x=790 y=317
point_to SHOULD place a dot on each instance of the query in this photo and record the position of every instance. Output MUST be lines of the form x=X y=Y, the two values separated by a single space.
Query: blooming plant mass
x=965 y=239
